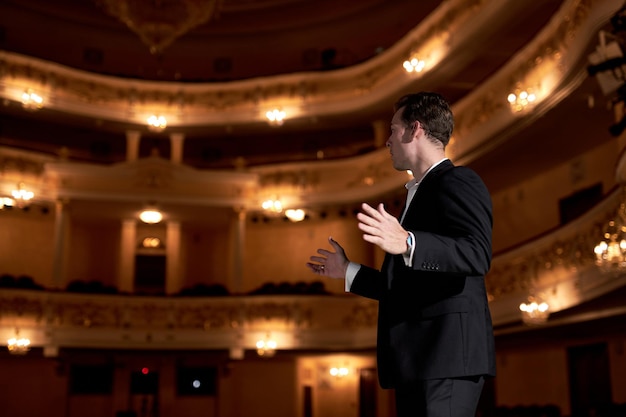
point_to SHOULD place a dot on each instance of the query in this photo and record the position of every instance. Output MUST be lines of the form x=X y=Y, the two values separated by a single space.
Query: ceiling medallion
x=160 y=22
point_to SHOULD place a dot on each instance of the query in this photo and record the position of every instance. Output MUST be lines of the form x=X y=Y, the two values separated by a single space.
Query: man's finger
x=371 y=211
x=334 y=244
x=364 y=218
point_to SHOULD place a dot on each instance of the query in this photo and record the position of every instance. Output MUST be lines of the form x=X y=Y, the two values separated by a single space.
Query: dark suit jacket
x=433 y=317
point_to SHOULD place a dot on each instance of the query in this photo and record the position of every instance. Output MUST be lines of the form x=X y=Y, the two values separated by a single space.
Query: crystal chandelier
x=159 y=23
x=611 y=250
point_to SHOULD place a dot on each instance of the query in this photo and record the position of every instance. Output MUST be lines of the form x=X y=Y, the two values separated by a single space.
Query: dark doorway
x=308 y=401
x=367 y=392
x=589 y=379
x=150 y=274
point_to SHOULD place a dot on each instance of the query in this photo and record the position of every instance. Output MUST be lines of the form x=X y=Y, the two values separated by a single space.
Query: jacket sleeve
x=369 y=283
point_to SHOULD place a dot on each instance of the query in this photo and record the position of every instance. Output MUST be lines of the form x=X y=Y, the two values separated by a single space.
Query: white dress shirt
x=411 y=187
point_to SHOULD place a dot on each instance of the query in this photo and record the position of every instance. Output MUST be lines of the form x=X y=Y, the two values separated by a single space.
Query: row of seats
x=200 y=290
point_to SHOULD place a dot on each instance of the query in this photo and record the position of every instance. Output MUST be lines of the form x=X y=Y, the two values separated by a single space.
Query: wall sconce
x=275 y=117
x=339 y=372
x=414 y=65
x=157 y=123
x=520 y=99
x=295 y=215
x=611 y=251
x=272 y=205
x=21 y=195
x=151 y=243
x=151 y=216
x=266 y=347
x=18 y=345
x=534 y=310
x=31 y=101
x=6 y=202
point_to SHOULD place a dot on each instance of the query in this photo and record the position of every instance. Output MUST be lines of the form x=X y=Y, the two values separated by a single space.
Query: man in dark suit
x=435 y=339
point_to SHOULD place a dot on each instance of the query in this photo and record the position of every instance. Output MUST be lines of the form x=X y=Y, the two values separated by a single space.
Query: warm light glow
x=31 y=100
x=534 y=311
x=272 y=205
x=339 y=372
x=157 y=123
x=18 y=345
x=20 y=195
x=266 y=348
x=295 y=215
x=276 y=117
x=521 y=99
x=6 y=202
x=151 y=216
x=151 y=242
x=414 y=65
x=611 y=250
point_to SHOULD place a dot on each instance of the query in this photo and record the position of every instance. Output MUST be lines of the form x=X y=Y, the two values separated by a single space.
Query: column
x=173 y=271
x=176 y=143
x=132 y=145
x=239 y=240
x=59 y=269
x=126 y=274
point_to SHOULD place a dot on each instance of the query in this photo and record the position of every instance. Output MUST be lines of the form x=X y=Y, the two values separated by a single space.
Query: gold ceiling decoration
x=160 y=22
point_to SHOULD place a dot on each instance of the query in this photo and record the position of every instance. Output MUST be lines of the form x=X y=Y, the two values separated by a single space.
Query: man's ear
x=415 y=127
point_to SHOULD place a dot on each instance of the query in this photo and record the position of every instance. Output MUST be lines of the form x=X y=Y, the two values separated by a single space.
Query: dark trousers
x=455 y=397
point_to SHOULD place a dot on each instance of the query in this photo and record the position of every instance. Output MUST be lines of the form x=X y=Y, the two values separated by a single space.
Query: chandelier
x=611 y=250
x=158 y=23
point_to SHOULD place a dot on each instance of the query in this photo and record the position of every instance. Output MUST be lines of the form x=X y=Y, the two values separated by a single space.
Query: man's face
x=398 y=142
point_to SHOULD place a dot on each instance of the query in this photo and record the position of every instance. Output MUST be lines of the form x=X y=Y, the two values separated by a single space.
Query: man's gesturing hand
x=330 y=264
x=382 y=229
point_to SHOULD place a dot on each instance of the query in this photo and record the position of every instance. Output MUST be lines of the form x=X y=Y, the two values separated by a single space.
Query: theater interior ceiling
x=246 y=41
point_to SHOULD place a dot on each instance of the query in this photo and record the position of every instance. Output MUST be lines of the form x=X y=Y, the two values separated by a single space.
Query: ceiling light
x=151 y=216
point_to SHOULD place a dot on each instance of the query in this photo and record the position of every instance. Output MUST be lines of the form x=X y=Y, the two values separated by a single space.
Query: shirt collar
x=415 y=182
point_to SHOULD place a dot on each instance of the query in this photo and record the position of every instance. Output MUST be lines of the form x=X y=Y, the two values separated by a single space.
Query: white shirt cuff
x=408 y=257
x=351 y=272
